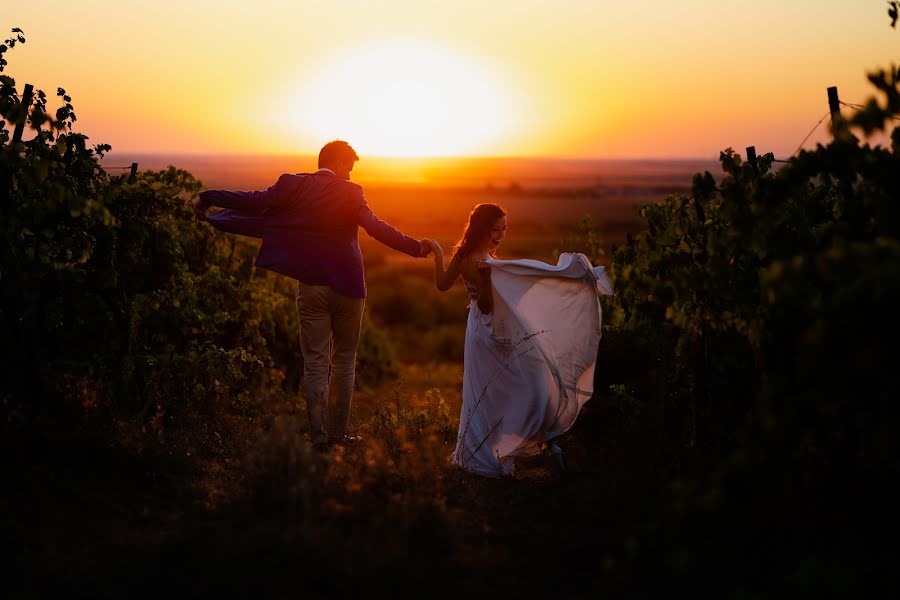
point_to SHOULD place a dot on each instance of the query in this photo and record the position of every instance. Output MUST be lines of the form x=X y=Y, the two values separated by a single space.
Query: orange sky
x=595 y=78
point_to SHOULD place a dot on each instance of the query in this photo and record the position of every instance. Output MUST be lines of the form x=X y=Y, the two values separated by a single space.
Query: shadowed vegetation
x=740 y=441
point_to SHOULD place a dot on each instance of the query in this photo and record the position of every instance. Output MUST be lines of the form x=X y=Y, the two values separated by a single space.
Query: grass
x=237 y=505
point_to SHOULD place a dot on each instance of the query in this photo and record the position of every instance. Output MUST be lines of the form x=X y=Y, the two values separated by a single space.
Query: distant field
x=442 y=213
x=433 y=197
x=614 y=176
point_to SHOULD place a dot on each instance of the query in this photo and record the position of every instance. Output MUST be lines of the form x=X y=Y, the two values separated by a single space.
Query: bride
x=530 y=347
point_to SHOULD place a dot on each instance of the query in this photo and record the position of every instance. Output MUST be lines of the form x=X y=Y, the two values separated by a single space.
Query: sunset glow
x=574 y=79
x=404 y=99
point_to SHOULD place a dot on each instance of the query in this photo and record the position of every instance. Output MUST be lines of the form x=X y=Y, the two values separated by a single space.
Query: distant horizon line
x=415 y=158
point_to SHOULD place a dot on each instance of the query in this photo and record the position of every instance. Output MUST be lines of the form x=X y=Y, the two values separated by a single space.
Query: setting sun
x=405 y=99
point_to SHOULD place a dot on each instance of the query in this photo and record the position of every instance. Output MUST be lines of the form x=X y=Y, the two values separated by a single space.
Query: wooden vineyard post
x=853 y=206
x=751 y=158
x=27 y=94
x=834 y=104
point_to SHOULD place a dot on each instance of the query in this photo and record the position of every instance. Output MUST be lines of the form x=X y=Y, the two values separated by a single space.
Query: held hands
x=436 y=248
x=425 y=243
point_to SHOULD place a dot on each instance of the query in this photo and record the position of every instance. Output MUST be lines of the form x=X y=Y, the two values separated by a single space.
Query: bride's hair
x=478 y=228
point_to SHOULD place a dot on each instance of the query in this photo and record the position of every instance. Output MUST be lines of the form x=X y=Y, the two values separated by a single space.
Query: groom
x=309 y=228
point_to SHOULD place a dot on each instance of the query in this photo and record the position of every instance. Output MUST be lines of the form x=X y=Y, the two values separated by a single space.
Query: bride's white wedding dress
x=528 y=366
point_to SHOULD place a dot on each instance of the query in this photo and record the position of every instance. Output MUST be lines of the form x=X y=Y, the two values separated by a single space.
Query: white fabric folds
x=529 y=366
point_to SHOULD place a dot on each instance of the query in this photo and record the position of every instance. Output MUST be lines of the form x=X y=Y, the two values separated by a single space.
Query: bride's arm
x=485 y=288
x=443 y=279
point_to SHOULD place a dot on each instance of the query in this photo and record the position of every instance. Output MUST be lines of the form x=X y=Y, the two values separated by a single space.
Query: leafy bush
x=376 y=359
x=765 y=302
x=398 y=426
x=117 y=301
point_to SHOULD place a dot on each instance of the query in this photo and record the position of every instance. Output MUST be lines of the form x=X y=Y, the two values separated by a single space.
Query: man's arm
x=271 y=197
x=389 y=236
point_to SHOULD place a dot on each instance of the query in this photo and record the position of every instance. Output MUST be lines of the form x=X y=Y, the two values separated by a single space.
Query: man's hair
x=335 y=152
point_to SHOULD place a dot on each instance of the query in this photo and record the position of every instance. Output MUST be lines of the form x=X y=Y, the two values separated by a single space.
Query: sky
x=586 y=79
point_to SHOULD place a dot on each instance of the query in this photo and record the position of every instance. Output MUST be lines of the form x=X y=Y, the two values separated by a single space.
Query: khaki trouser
x=329 y=333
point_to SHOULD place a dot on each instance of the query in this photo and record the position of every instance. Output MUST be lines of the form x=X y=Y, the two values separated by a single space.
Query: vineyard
x=742 y=438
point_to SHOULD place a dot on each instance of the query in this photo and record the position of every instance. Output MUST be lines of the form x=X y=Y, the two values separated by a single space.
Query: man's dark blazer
x=309 y=225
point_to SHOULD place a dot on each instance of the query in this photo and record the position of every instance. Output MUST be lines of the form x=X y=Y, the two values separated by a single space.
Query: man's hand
x=426 y=247
x=200 y=207
x=436 y=248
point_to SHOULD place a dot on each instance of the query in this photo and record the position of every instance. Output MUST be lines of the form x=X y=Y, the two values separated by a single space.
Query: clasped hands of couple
x=432 y=246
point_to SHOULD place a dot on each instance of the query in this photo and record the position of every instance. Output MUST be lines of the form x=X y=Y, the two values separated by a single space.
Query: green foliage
x=376 y=358
x=9 y=43
x=396 y=305
x=379 y=507
x=766 y=302
x=425 y=326
x=586 y=238
x=115 y=300
x=398 y=427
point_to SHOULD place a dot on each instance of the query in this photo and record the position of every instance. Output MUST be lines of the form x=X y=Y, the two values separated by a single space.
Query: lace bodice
x=472 y=287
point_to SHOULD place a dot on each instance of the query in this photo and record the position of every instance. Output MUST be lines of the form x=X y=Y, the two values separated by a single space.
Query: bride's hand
x=436 y=248
x=200 y=207
x=483 y=269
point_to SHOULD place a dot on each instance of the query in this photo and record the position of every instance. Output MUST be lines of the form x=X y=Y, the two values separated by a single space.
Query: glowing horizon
x=581 y=79
x=420 y=100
